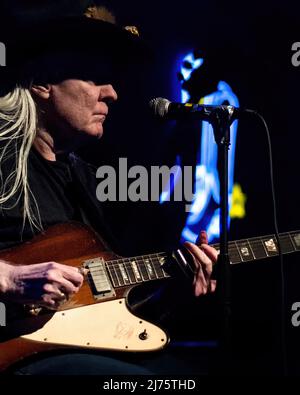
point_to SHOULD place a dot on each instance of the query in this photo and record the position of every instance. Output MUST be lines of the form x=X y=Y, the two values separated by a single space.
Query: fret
x=296 y=240
x=124 y=273
x=125 y=265
x=163 y=260
x=119 y=275
x=258 y=248
x=270 y=245
x=286 y=244
x=149 y=267
x=238 y=251
x=153 y=266
x=292 y=241
x=136 y=271
x=245 y=250
x=130 y=271
x=252 y=252
x=143 y=269
x=160 y=260
x=113 y=276
x=234 y=255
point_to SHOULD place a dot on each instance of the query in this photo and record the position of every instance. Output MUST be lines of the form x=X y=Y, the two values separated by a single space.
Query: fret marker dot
x=162 y=261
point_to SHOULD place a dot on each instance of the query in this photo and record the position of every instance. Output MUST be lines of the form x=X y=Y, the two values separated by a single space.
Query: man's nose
x=108 y=94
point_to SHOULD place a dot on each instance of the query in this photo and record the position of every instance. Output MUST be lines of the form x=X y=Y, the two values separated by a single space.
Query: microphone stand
x=221 y=118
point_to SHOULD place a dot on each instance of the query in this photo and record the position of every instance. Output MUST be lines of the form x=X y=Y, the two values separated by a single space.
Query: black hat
x=27 y=42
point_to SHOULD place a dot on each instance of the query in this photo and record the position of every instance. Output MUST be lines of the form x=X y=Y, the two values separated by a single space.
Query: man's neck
x=44 y=144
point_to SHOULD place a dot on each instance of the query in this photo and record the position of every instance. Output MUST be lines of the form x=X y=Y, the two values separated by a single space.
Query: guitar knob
x=143 y=335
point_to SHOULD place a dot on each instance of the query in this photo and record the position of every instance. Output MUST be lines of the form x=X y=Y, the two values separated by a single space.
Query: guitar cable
x=282 y=273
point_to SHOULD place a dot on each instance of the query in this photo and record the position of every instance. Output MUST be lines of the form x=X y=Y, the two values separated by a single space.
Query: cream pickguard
x=108 y=325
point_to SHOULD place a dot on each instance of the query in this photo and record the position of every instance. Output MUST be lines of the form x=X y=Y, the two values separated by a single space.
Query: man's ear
x=41 y=91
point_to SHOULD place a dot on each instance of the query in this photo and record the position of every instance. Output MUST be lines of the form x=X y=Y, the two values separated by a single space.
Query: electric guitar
x=98 y=316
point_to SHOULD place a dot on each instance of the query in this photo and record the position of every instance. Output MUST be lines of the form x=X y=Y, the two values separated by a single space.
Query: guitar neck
x=257 y=248
x=144 y=268
x=135 y=270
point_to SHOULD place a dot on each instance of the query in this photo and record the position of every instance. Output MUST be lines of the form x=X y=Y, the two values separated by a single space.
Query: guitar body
x=98 y=316
x=89 y=319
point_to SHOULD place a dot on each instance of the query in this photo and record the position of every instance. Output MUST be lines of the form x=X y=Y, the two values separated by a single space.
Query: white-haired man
x=54 y=101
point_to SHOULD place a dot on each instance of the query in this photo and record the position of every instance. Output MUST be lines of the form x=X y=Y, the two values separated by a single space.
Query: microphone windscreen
x=159 y=106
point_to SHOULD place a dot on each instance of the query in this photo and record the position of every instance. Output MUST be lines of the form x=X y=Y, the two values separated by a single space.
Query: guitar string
x=253 y=242
x=114 y=263
x=132 y=279
x=232 y=248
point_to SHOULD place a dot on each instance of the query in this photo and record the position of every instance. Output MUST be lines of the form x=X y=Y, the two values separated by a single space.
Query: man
x=54 y=101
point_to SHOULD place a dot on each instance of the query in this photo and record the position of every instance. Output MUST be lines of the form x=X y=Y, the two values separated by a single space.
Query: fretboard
x=134 y=270
x=129 y=271
x=258 y=248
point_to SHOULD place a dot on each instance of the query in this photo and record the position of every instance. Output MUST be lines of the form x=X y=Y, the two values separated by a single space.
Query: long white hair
x=18 y=127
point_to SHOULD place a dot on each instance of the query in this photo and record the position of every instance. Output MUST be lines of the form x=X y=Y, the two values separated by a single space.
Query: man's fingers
x=62 y=280
x=204 y=257
x=198 y=253
x=67 y=286
x=212 y=285
x=72 y=274
x=210 y=252
x=202 y=238
x=56 y=291
x=200 y=283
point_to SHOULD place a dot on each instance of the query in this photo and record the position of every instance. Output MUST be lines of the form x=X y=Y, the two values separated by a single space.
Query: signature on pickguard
x=123 y=331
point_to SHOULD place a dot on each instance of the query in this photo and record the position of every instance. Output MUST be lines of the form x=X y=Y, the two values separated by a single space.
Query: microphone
x=164 y=109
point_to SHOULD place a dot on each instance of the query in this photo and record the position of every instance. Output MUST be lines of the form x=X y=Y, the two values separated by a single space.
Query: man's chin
x=100 y=134
x=96 y=132
x=92 y=134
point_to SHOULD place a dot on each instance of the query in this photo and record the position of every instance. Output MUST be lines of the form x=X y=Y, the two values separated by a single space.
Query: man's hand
x=204 y=258
x=45 y=284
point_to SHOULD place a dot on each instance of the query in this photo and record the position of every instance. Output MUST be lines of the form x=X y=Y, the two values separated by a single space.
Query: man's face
x=76 y=109
x=82 y=105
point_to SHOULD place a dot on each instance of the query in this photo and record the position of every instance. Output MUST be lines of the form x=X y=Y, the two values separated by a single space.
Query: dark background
x=247 y=44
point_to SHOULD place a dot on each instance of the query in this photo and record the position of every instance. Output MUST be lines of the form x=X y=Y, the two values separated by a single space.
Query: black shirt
x=64 y=190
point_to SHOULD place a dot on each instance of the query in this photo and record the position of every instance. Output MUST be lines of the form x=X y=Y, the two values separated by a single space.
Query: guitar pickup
x=98 y=278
